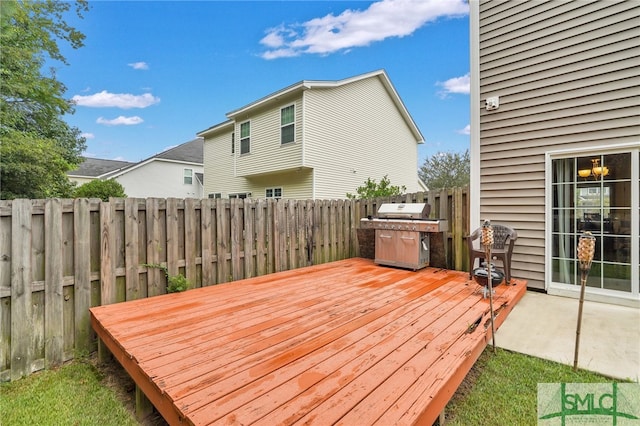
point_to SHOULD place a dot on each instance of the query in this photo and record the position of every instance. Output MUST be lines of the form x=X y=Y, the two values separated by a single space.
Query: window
x=273 y=193
x=593 y=193
x=241 y=195
x=188 y=176
x=233 y=143
x=245 y=137
x=287 y=126
x=215 y=195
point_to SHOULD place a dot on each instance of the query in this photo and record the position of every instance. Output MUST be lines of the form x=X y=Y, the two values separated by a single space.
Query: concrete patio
x=545 y=326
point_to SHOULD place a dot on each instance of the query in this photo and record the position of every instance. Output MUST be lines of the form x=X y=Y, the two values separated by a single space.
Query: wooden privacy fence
x=60 y=257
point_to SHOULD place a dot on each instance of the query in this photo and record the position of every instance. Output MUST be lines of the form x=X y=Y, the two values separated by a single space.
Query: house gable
x=345 y=131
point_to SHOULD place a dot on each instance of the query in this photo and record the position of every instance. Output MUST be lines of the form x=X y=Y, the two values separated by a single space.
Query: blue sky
x=154 y=73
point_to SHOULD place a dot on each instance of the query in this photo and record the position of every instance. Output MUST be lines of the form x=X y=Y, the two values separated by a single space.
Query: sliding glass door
x=594 y=193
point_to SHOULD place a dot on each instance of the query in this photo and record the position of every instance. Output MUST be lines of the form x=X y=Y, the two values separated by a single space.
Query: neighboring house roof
x=303 y=85
x=97 y=167
x=188 y=152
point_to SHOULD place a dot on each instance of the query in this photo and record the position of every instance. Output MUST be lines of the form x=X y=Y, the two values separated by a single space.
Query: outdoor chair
x=504 y=239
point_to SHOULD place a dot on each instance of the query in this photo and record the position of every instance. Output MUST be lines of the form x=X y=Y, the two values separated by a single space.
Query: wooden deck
x=347 y=342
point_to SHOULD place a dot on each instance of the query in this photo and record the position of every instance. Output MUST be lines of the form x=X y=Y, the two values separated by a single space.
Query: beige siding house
x=314 y=140
x=555 y=138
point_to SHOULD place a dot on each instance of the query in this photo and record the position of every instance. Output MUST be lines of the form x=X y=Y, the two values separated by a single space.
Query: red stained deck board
x=347 y=342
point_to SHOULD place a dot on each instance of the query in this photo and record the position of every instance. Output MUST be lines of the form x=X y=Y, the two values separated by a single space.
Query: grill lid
x=404 y=211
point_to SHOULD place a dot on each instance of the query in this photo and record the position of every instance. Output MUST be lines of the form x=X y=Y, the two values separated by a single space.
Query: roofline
x=320 y=84
x=121 y=172
x=215 y=128
x=300 y=87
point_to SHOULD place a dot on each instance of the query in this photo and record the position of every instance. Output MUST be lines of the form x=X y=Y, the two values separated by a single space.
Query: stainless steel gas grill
x=402 y=234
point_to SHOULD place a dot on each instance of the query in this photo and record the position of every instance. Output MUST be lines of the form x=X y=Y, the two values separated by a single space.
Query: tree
x=372 y=189
x=446 y=170
x=102 y=189
x=37 y=148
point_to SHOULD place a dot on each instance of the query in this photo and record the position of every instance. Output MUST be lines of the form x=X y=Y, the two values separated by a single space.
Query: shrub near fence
x=60 y=257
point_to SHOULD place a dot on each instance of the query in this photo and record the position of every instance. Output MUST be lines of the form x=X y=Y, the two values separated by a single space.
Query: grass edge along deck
x=341 y=342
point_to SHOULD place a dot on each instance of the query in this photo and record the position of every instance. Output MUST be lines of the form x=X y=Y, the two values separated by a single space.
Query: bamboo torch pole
x=586 y=249
x=487 y=242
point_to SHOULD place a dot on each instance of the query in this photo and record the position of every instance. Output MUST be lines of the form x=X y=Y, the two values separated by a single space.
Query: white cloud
x=455 y=85
x=120 y=121
x=88 y=135
x=465 y=131
x=355 y=28
x=105 y=99
x=139 y=65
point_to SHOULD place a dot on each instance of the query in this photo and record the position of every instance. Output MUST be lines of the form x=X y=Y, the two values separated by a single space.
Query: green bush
x=373 y=189
x=102 y=189
x=175 y=283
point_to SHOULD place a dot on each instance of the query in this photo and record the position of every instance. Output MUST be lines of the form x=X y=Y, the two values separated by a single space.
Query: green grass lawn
x=501 y=389
x=74 y=394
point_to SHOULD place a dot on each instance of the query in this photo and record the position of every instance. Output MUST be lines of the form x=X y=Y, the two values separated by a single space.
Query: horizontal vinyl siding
x=267 y=154
x=218 y=166
x=162 y=179
x=355 y=132
x=567 y=77
x=297 y=185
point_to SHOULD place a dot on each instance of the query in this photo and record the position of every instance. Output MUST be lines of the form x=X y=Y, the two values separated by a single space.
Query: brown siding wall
x=567 y=77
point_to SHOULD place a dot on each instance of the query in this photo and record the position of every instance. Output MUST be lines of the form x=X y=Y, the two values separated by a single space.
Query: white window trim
x=293 y=123
x=273 y=190
x=241 y=195
x=594 y=294
x=184 y=176
x=248 y=137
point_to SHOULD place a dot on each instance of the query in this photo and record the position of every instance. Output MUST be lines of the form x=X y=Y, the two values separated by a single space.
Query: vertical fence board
x=154 y=247
x=21 y=331
x=173 y=240
x=317 y=233
x=308 y=232
x=108 y=254
x=5 y=293
x=82 y=274
x=222 y=240
x=190 y=240
x=236 y=236
x=53 y=297
x=249 y=238
x=326 y=249
x=207 y=252
x=261 y=237
x=279 y=236
x=301 y=242
x=131 y=256
x=292 y=241
x=271 y=240
x=457 y=228
x=340 y=230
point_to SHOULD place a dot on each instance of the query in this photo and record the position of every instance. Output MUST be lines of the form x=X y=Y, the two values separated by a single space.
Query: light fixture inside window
x=596 y=170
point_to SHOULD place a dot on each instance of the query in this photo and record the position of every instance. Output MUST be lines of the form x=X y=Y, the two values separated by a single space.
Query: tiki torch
x=487 y=243
x=586 y=249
